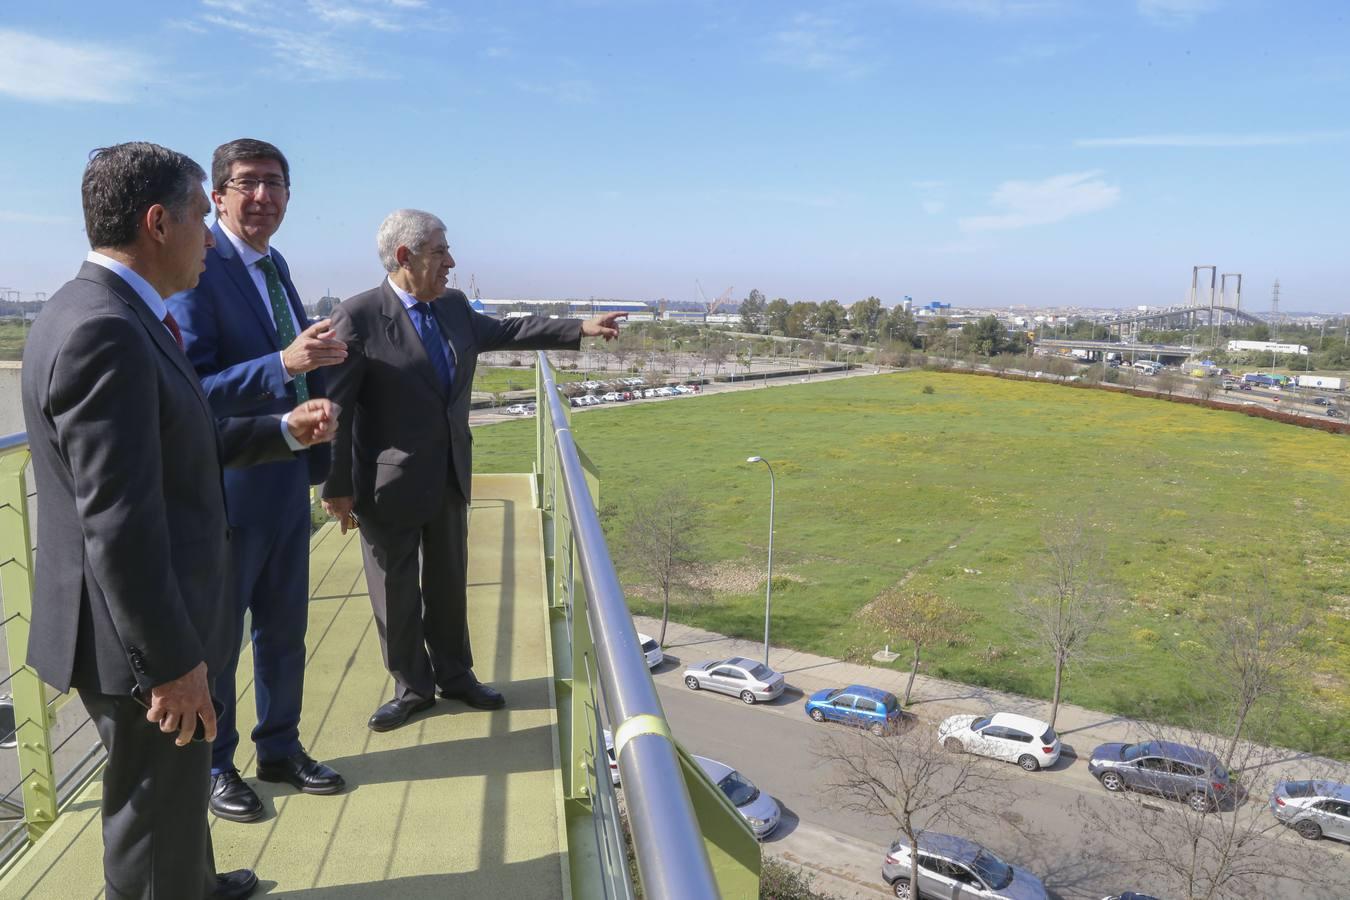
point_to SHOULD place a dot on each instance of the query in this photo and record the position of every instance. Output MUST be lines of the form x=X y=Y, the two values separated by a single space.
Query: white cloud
x=933 y=207
x=46 y=71
x=1027 y=203
x=996 y=9
x=312 y=55
x=349 y=14
x=818 y=43
x=567 y=90
x=1274 y=139
x=1176 y=12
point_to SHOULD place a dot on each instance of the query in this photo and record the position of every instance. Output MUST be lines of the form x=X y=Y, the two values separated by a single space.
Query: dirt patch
x=733 y=577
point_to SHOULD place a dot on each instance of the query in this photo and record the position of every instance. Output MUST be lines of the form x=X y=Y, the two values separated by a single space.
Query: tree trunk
x=1059 y=681
x=1237 y=734
x=913 y=670
x=665 y=616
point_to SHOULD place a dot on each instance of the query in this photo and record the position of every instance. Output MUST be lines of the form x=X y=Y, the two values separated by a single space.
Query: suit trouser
x=423 y=626
x=271 y=581
x=156 y=843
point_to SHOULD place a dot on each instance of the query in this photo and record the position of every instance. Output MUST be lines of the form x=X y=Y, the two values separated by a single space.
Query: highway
x=1044 y=824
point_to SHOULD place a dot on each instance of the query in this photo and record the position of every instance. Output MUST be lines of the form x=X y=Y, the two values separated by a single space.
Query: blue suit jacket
x=234 y=347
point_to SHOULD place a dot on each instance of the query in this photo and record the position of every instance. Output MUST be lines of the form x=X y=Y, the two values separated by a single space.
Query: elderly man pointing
x=402 y=459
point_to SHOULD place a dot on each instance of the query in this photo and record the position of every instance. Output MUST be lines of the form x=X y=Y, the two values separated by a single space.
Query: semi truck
x=1324 y=382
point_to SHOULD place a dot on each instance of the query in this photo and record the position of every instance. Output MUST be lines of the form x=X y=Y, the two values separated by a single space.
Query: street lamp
x=768 y=585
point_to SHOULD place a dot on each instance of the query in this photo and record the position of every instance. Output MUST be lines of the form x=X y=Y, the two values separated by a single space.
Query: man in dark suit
x=402 y=459
x=256 y=352
x=129 y=605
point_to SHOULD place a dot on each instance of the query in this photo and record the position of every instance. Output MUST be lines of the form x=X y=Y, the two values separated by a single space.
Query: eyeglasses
x=251 y=185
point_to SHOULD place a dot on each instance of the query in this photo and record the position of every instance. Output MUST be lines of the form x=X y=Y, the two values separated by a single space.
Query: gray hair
x=411 y=228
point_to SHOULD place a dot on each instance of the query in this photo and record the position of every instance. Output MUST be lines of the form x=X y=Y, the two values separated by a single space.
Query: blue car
x=863 y=707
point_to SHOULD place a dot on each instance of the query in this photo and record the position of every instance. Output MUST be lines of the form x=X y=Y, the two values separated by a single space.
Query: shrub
x=1145 y=636
x=780 y=881
x=928 y=389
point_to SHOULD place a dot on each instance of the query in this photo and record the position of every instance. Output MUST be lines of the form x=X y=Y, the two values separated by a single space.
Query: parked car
x=1321 y=401
x=1169 y=769
x=951 y=866
x=1030 y=743
x=1130 y=895
x=1314 y=809
x=752 y=681
x=652 y=650
x=516 y=409
x=612 y=397
x=760 y=810
x=1335 y=413
x=857 y=705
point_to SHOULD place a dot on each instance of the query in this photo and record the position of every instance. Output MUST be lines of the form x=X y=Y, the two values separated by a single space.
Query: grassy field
x=955 y=489
x=12 y=335
x=501 y=378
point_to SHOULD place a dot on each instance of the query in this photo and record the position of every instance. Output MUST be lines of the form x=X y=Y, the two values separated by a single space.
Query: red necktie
x=172 y=324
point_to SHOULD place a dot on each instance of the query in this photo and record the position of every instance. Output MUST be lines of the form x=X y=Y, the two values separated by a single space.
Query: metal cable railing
x=679 y=822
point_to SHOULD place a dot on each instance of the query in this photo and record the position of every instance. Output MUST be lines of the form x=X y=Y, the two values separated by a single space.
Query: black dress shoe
x=233 y=799
x=302 y=771
x=235 y=885
x=396 y=712
x=476 y=694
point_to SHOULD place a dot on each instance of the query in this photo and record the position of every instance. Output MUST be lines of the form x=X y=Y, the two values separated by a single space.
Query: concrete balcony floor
x=461 y=803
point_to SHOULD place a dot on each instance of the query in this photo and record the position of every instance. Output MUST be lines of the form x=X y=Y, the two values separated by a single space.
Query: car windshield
x=891 y=703
x=979 y=724
x=992 y=870
x=739 y=789
x=1299 y=789
x=1131 y=752
x=834 y=693
x=649 y=646
x=761 y=671
x=1049 y=737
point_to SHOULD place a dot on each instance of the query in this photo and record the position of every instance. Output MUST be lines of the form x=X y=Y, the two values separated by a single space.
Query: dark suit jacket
x=131 y=566
x=233 y=346
x=401 y=442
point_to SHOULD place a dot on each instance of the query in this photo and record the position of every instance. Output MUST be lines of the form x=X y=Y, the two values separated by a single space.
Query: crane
x=712 y=305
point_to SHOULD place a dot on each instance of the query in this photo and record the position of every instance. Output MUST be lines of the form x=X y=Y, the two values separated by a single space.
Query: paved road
x=1045 y=825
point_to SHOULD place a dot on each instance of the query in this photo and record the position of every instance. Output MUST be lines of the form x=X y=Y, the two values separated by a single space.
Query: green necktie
x=281 y=315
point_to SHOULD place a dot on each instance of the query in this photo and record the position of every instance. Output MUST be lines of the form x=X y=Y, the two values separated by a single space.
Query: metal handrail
x=673 y=862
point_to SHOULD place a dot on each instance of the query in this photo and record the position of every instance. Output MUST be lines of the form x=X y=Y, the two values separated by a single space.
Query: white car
x=612 y=397
x=1030 y=743
x=517 y=409
x=652 y=650
x=752 y=681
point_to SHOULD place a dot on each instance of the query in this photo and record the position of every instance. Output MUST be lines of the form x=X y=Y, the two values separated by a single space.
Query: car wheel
x=1112 y=782
x=1028 y=762
x=878 y=729
x=691 y=682
x=1308 y=829
x=1199 y=802
x=817 y=715
x=747 y=698
x=901 y=887
x=953 y=745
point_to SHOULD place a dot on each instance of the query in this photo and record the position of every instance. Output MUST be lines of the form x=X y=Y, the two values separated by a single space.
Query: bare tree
x=1069 y=602
x=1167 y=383
x=916 y=617
x=1204 y=853
x=659 y=536
x=1248 y=648
x=911 y=782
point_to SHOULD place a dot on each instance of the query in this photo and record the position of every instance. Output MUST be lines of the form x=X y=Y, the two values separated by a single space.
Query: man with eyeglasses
x=248 y=338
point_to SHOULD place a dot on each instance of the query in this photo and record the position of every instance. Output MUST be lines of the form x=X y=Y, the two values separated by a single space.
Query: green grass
x=494 y=379
x=877 y=480
x=13 y=333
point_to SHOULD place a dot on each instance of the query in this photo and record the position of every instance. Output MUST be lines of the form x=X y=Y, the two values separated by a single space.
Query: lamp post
x=768 y=585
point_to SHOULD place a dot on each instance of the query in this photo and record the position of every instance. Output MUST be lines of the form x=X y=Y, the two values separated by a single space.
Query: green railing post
x=33 y=721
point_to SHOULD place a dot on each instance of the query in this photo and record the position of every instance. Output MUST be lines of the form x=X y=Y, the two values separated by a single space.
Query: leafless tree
x=1247 y=649
x=1069 y=602
x=659 y=536
x=908 y=780
x=920 y=618
x=1167 y=383
x=1236 y=850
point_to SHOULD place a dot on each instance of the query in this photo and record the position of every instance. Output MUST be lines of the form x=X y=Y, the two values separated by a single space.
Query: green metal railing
x=40 y=794
x=687 y=838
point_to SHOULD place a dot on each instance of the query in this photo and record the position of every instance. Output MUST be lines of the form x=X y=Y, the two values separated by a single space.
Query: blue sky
x=983 y=152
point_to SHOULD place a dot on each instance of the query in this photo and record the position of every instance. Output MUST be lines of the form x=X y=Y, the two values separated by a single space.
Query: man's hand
x=340 y=508
x=606 y=326
x=176 y=705
x=314 y=421
x=313 y=348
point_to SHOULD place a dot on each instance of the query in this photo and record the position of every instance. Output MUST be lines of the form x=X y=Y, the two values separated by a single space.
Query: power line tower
x=1275 y=307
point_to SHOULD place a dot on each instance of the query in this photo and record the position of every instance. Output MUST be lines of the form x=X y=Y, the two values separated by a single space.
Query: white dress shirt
x=409 y=301
x=249 y=257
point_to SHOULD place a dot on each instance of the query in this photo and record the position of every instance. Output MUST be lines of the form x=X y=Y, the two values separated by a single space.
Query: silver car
x=1313 y=808
x=752 y=681
x=760 y=810
x=951 y=866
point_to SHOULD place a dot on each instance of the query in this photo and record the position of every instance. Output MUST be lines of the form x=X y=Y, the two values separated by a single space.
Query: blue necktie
x=435 y=344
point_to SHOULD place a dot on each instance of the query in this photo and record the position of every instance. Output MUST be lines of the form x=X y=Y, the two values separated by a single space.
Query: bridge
x=1176 y=318
x=515 y=803
x=1164 y=353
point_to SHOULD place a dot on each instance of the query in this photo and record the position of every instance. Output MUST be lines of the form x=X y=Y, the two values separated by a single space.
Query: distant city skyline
x=987 y=153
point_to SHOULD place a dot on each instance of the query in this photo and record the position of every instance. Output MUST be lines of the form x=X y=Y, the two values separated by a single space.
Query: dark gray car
x=1171 y=770
x=951 y=867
